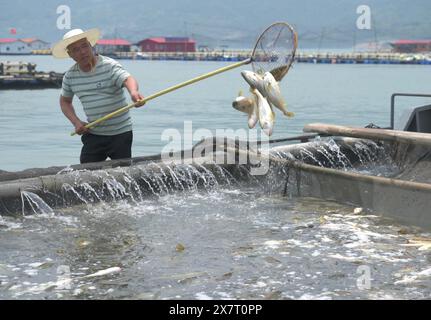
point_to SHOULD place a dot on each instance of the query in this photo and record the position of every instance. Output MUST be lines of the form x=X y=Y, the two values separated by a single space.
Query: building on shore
x=110 y=46
x=168 y=44
x=14 y=46
x=36 y=44
x=411 y=46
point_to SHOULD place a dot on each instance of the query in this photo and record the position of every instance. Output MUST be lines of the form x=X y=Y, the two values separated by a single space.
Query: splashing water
x=237 y=244
x=36 y=204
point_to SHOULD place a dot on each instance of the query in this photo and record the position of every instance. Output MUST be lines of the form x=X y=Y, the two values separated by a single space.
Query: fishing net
x=275 y=50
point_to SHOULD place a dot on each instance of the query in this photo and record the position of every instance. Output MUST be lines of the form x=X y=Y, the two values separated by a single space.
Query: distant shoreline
x=327 y=57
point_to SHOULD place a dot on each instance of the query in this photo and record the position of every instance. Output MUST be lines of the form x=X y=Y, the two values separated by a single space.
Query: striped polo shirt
x=100 y=92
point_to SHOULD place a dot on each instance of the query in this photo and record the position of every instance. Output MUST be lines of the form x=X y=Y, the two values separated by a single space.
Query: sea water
x=219 y=242
x=35 y=133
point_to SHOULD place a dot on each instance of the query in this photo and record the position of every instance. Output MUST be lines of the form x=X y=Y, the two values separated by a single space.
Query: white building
x=14 y=46
x=36 y=44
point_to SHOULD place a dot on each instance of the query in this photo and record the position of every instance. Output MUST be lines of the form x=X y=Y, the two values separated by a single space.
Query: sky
x=221 y=22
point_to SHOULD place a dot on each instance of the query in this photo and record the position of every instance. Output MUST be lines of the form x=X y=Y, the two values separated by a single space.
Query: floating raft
x=301 y=57
x=37 y=81
x=23 y=75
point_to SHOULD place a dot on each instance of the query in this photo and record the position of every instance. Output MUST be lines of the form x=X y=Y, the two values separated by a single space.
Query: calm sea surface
x=227 y=241
x=34 y=132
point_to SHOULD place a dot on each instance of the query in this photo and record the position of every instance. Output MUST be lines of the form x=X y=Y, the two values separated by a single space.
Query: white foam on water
x=202 y=296
x=260 y=284
x=66 y=220
x=274 y=244
x=301 y=244
x=316 y=253
x=9 y=224
x=324 y=296
x=36 y=264
x=305 y=245
x=31 y=272
x=224 y=295
x=345 y=258
x=415 y=277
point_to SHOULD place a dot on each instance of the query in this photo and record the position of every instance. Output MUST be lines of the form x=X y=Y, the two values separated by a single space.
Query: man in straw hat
x=98 y=82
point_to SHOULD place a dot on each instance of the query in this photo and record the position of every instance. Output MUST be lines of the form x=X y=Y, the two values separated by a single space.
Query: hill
x=329 y=23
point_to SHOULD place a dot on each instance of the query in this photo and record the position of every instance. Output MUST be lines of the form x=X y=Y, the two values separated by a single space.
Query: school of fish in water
x=265 y=93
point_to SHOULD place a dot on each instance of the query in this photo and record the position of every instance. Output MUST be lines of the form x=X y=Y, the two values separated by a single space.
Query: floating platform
x=36 y=81
x=22 y=75
x=301 y=57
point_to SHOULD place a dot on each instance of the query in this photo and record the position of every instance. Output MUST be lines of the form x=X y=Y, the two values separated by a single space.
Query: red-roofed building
x=110 y=46
x=13 y=46
x=36 y=44
x=411 y=46
x=168 y=44
x=8 y=40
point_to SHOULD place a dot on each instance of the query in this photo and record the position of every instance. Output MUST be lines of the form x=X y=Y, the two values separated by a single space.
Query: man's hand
x=80 y=127
x=136 y=96
x=132 y=86
x=69 y=112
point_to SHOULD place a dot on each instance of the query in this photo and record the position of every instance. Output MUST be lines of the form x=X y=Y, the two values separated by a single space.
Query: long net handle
x=165 y=91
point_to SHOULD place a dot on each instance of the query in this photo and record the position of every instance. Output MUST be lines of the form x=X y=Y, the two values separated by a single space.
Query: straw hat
x=59 y=50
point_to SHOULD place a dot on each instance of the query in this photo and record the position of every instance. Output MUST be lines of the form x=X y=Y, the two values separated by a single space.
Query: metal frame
x=394 y=95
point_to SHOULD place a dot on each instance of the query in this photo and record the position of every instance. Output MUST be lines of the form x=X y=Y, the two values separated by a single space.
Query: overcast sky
x=220 y=20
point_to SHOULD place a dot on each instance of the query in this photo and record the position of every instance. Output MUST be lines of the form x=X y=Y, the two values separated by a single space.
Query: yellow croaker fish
x=253 y=116
x=243 y=104
x=254 y=80
x=265 y=113
x=273 y=93
x=279 y=72
x=103 y=272
x=247 y=105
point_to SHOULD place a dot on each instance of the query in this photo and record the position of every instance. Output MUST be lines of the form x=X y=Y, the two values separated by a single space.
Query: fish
x=253 y=116
x=247 y=105
x=421 y=243
x=243 y=104
x=255 y=81
x=103 y=272
x=273 y=93
x=279 y=72
x=65 y=281
x=266 y=115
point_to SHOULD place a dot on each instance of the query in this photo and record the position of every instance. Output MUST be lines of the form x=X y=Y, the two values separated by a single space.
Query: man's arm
x=132 y=86
x=69 y=111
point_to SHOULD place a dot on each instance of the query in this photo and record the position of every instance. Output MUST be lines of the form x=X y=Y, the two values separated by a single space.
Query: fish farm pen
x=303 y=57
x=327 y=58
x=17 y=75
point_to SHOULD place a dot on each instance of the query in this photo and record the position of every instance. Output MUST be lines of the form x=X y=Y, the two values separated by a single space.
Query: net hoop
x=275 y=50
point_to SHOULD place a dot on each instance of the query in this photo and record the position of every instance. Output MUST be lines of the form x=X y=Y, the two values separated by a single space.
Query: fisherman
x=98 y=82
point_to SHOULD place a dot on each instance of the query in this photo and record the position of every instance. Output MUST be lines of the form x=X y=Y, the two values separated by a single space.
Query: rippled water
x=34 y=132
x=223 y=243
